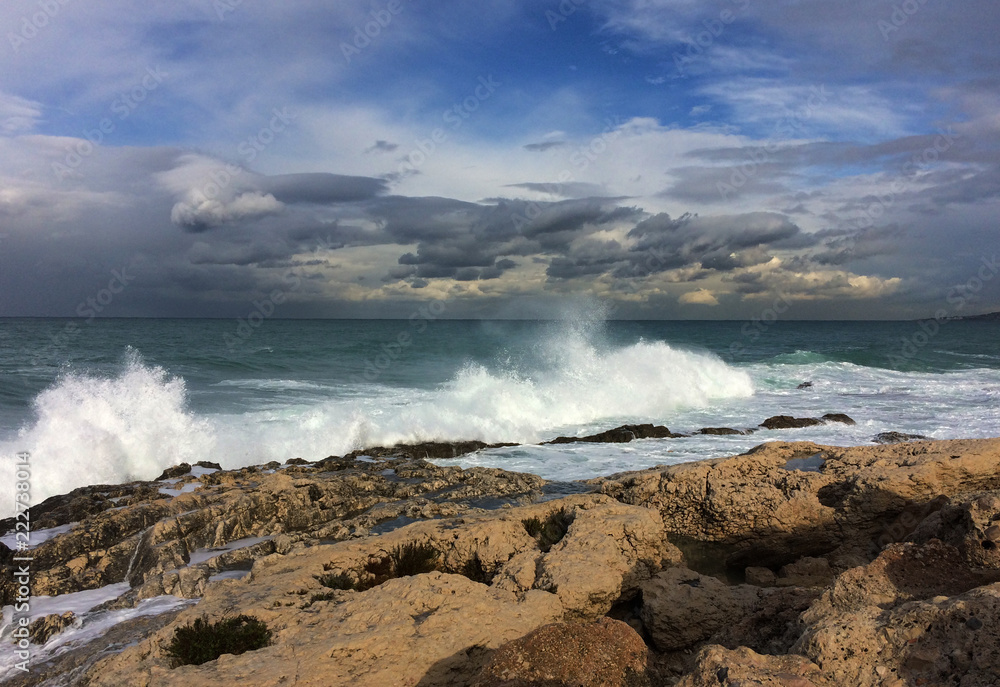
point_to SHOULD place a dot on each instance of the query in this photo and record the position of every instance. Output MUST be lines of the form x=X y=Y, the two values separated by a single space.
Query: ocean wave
x=91 y=429
x=96 y=430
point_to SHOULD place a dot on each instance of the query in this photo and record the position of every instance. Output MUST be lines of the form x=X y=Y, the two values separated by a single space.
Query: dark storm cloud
x=320 y=188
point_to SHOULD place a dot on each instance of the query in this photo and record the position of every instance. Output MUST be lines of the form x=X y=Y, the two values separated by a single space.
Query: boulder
x=606 y=653
x=789 y=422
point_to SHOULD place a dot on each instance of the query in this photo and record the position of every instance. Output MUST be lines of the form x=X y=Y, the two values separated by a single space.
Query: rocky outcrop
x=789 y=422
x=896 y=437
x=621 y=435
x=793 y=564
x=148 y=533
x=432 y=628
x=782 y=501
x=921 y=615
x=722 y=431
x=607 y=653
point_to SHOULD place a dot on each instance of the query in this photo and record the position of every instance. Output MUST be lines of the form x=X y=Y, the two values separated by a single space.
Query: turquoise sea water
x=111 y=400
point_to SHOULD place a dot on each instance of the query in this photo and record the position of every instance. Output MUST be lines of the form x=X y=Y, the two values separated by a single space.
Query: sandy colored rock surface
x=782 y=501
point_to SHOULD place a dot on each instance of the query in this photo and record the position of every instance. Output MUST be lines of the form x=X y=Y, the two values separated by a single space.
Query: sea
x=111 y=400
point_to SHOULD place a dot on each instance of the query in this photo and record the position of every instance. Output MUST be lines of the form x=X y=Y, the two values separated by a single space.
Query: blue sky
x=667 y=158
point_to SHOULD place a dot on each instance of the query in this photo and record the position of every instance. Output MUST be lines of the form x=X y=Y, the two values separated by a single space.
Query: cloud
x=201 y=213
x=543 y=146
x=18 y=115
x=699 y=297
x=381 y=146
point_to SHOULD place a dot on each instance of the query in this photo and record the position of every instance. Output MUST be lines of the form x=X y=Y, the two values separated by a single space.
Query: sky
x=658 y=159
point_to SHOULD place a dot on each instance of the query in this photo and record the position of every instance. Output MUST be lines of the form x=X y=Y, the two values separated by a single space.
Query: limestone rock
x=918 y=613
x=720 y=667
x=621 y=435
x=606 y=653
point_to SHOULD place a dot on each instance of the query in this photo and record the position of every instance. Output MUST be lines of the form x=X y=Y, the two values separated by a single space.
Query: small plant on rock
x=202 y=641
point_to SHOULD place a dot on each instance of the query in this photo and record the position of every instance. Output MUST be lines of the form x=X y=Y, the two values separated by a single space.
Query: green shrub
x=414 y=559
x=338 y=581
x=202 y=641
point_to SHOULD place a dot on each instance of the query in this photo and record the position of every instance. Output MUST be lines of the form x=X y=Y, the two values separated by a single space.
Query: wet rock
x=789 y=422
x=178 y=470
x=838 y=417
x=427 y=450
x=606 y=653
x=804 y=385
x=42 y=629
x=621 y=435
x=721 y=431
x=896 y=437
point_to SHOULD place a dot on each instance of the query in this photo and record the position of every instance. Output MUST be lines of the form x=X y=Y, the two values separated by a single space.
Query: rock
x=42 y=629
x=838 y=417
x=132 y=530
x=681 y=608
x=760 y=577
x=908 y=611
x=208 y=465
x=426 y=450
x=720 y=667
x=621 y=435
x=896 y=437
x=806 y=572
x=789 y=422
x=431 y=629
x=720 y=431
x=176 y=471
x=606 y=653
x=749 y=511
x=606 y=554
x=804 y=385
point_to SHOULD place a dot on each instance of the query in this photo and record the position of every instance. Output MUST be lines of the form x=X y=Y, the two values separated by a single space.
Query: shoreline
x=703 y=562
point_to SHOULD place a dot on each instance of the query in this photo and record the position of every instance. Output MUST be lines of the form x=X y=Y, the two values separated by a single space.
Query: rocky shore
x=794 y=564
